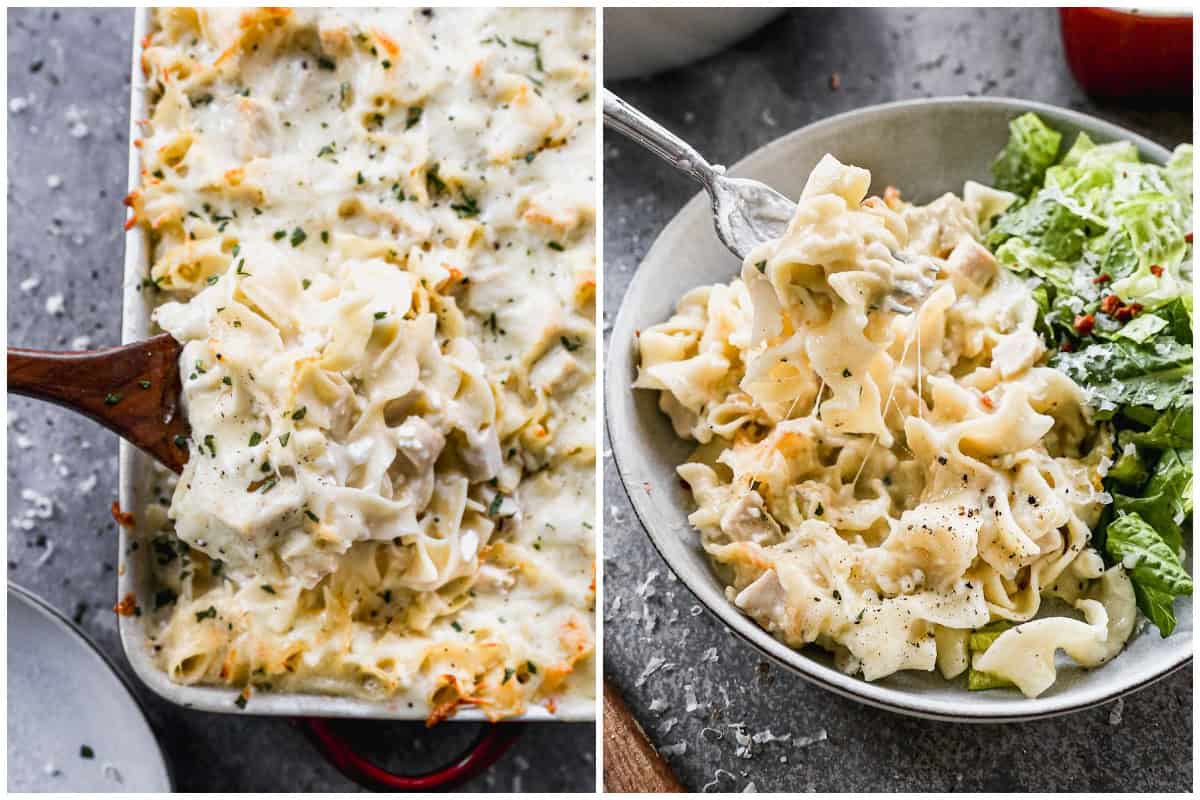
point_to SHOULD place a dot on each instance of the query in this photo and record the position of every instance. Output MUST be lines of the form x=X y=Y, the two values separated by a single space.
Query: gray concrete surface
x=771 y=83
x=68 y=89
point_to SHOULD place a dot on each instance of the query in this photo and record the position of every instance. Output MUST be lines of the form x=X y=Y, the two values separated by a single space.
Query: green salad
x=1104 y=240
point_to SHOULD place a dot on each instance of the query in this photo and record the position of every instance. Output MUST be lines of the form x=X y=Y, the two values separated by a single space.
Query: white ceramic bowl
x=641 y=41
x=926 y=148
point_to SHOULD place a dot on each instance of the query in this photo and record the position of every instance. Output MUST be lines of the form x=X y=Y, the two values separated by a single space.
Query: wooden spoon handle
x=132 y=390
x=631 y=764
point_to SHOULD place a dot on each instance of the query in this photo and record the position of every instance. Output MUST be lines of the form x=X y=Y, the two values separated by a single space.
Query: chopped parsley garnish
x=164 y=597
x=298 y=237
x=532 y=667
x=144 y=384
x=306 y=283
x=494 y=508
x=380 y=314
x=570 y=344
x=456 y=626
x=469 y=207
x=311 y=516
x=112 y=398
x=268 y=588
x=211 y=443
x=279 y=235
x=325 y=237
x=387 y=64
x=554 y=246
x=327 y=64
x=761 y=266
x=212 y=279
x=299 y=413
x=240 y=702
x=181 y=441
x=255 y=438
x=414 y=116
x=434 y=181
x=283 y=440
x=86 y=752
x=208 y=613
x=228 y=381
x=535 y=47
x=508 y=673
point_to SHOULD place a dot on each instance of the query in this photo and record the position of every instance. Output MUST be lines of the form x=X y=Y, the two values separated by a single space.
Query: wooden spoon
x=133 y=390
x=631 y=764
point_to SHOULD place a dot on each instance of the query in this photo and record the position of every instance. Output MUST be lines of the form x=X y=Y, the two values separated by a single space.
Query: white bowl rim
x=852 y=687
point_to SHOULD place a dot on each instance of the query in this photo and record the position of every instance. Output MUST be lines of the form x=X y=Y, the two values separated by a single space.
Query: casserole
x=926 y=148
x=136 y=479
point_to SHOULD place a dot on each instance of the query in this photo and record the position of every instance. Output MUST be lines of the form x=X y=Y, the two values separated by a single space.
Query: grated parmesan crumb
x=689 y=697
x=655 y=664
x=677 y=749
x=804 y=741
x=75 y=116
x=717 y=779
x=55 y=305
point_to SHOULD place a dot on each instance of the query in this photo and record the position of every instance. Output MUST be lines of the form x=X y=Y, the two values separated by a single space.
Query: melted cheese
x=882 y=484
x=373 y=232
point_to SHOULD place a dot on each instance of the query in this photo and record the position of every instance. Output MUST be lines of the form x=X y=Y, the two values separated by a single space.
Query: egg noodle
x=904 y=490
x=373 y=232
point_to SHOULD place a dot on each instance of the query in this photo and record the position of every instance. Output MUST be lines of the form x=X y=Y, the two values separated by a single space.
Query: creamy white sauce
x=374 y=234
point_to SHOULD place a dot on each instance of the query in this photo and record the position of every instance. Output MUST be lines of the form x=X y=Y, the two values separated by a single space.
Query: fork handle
x=622 y=117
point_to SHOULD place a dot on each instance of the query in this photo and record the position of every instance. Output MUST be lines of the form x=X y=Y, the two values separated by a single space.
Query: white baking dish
x=136 y=470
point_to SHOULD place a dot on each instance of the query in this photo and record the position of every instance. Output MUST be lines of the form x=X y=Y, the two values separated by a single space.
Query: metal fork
x=746 y=213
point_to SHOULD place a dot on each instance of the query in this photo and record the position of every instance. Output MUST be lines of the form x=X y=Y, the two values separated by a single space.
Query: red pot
x=1128 y=53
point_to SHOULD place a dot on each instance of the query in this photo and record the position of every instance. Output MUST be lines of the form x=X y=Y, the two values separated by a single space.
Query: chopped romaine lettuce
x=1154 y=567
x=1166 y=501
x=1118 y=373
x=1103 y=240
x=1032 y=147
x=980 y=640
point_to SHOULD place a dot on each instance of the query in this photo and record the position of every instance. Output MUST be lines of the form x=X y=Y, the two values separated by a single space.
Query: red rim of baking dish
x=487 y=748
